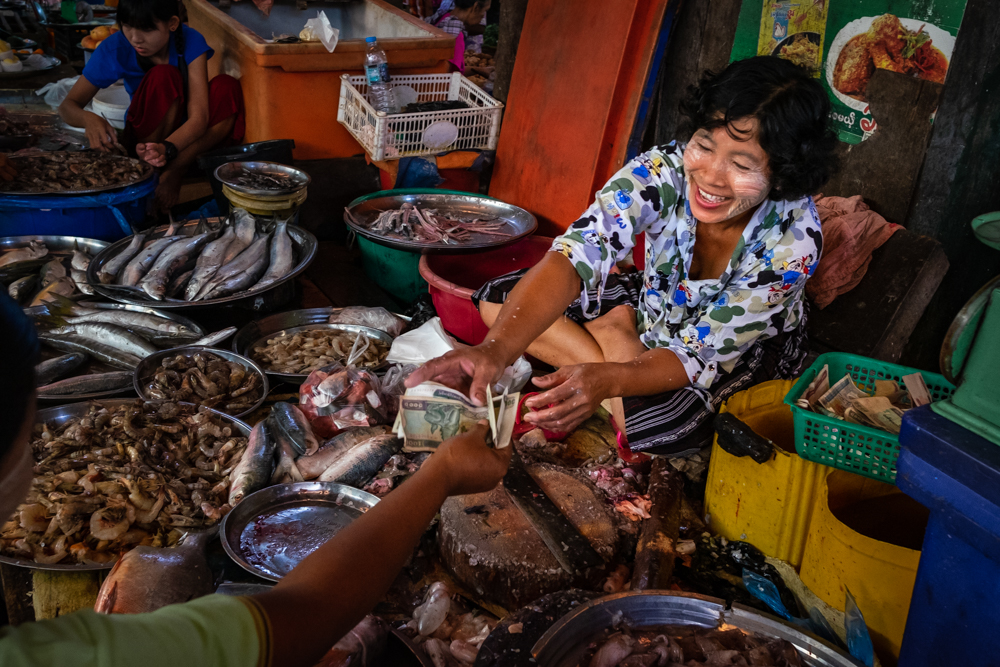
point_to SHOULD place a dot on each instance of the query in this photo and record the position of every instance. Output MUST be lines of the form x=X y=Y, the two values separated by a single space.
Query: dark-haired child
x=731 y=236
x=176 y=113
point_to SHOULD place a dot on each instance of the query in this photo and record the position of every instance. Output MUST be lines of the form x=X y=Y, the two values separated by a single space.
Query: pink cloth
x=851 y=232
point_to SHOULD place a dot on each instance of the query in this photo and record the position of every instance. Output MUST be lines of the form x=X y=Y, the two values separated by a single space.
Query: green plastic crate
x=855 y=448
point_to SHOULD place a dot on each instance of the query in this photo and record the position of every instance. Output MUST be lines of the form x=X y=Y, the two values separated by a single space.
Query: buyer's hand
x=469 y=370
x=573 y=394
x=7 y=171
x=100 y=135
x=153 y=153
x=467 y=464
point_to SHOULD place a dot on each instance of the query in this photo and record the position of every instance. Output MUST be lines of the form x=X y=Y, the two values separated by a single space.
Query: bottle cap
x=369 y=39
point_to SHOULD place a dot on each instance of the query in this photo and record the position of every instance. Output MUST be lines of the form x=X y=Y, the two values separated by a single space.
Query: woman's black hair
x=792 y=112
x=145 y=14
x=17 y=369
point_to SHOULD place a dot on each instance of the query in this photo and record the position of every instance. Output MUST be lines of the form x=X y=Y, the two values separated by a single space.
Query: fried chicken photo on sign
x=887 y=32
x=854 y=67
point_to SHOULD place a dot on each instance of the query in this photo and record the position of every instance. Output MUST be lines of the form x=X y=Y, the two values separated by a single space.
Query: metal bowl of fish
x=291 y=354
x=272 y=530
x=239 y=261
x=34 y=267
x=262 y=179
x=90 y=363
x=141 y=438
x=438 y=222
x=74 y=173
x=639 y=620
x=219 y=379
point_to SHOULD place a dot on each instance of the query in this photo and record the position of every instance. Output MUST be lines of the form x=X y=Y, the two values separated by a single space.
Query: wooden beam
x=657 y=549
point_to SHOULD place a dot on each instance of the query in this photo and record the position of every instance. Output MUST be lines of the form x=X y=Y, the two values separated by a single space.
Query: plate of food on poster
x=802 y=48
x=903 y=45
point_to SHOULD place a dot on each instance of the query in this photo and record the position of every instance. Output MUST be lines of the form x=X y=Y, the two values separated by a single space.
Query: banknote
x=430 y=413
x=880 y=412
x=819 y=386
x=919 y=394
x=841 y=395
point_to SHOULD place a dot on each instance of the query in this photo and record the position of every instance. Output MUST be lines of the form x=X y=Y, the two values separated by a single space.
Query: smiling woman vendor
x=731 y=238
x=176 y=113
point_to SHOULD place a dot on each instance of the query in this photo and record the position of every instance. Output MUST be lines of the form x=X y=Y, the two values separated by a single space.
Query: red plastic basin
x=452 y=279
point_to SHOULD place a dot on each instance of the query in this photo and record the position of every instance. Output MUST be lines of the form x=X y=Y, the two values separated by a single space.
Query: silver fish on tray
x=110 y=270
x=52 y=271
x=282 y=258
x=360 y=463
x=155 y=282
x=208 y=263
x=96 y=349
x=215 y=338
x=109 y=334
x=254 y=470
x=313 y=466
x=147 y=325
x=244 y=226
x=141 y=263
x=285 y=471
x=51 y=370
x=241 y=273
x=22 y=288
x=86 y=384
x=34 y=250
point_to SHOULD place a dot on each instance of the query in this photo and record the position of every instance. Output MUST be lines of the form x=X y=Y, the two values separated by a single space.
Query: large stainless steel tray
x=57 y=245
x=303 y=243
x=520 y=223
x=53 y=62
x=57 y=416
x=566 y=642
x=147 y=173
x=41 y=310
x=304 y=515
x=228 y=173
x=144 y=371
x=242 y=344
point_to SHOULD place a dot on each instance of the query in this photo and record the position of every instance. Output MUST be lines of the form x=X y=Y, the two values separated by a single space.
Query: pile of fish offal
x=690 y=646
x=233 y=258
x=133 y=474
x=36 y=274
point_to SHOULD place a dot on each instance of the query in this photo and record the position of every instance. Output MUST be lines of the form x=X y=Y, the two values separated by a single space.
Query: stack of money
x=845 y=400
x=430 y=413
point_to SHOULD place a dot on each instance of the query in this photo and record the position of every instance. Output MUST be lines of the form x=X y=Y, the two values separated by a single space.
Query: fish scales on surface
x=137 y=473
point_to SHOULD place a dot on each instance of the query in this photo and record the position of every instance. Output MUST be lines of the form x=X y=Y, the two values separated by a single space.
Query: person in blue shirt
x=176 y=113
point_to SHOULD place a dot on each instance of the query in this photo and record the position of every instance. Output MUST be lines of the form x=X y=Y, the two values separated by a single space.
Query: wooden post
x=511 y=21
x=17 y=593
x=654 y=557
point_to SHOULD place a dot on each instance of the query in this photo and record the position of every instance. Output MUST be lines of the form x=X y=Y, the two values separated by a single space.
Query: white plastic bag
x=376 y=318
x=422 y=344
x=54 y=93
x=320 y=30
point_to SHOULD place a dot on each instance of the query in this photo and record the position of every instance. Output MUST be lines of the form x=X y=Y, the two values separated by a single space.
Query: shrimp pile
x=120 y=477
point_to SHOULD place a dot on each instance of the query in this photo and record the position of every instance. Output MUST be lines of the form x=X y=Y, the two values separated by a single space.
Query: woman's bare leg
x=565 y=343
x=616 y=334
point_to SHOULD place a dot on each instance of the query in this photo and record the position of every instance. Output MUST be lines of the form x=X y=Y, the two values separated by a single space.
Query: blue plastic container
x=107 y=216
x=956 y=475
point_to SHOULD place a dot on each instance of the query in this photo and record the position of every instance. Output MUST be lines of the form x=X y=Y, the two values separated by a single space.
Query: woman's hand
x=469 y=370
x=154 y=154
x=574 y=394
x=468 y=465
x=100 y=135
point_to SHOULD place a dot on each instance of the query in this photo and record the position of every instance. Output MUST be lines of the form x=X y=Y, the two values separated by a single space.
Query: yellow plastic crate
x=768 y=505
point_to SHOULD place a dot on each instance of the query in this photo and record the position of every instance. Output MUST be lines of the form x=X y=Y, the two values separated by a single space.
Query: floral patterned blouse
x=708 y=324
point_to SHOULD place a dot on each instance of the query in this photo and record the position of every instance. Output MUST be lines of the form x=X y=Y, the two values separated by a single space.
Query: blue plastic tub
x=956 y=475
x=107 y=216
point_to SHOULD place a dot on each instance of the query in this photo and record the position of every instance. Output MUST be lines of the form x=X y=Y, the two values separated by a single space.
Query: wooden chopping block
x=491 y=548
x=657 y=549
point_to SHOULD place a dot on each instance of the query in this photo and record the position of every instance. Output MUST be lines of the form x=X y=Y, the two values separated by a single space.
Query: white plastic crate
x=389 y=137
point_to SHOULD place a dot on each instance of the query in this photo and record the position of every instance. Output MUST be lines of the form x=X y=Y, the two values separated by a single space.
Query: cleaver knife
x=573 y=551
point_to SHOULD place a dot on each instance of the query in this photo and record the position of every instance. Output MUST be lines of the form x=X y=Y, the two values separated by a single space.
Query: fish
x=156 y=280
x=208 y=263
x=51 y=370
x=17 y=270
x=245 y=270
x=362 y=646
x=313 y=466
x=137 y=322
x=96 y=349
x=113 y=266
x=360 y=463
x=22 y=288
x=215 y=338
x=86 y=384
x=245 y=226
x=108 y=334
x=293 y=424
x=176 y=287
x=80 y=261
x=148 y=578
x=140 y=264
x=282 y=259
x=52 y=271
x=286 y=470
x=34 y=250
x=61 y=287
x=254 y=470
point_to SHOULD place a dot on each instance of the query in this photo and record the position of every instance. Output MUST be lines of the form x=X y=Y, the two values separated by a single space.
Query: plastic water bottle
x=377 y=71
